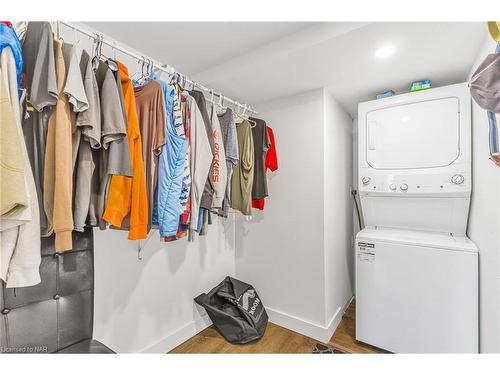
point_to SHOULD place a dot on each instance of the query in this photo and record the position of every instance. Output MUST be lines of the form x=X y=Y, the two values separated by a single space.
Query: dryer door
x=418 y=135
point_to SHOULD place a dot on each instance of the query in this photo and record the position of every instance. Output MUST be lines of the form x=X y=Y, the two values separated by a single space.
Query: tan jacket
x=58 y=182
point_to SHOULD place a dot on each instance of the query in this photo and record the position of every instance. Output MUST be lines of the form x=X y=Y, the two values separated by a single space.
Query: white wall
x=147 y=305
x=282 y=250
x=338 y=231
x=484 y=222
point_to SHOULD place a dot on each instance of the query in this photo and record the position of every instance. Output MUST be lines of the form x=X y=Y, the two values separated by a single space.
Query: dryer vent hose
x=355 y=198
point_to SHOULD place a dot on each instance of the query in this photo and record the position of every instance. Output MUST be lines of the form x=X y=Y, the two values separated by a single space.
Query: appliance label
x=366 y=252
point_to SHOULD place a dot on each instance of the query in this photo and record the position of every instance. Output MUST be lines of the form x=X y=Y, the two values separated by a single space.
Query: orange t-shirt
x=128 y=195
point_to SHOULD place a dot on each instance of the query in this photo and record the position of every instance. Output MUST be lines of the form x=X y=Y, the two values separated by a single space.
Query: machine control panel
x=457 y=181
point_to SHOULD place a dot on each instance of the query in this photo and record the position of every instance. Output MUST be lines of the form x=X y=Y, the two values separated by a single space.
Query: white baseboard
x=305 y=327
x=179 y=336
x=337 y=318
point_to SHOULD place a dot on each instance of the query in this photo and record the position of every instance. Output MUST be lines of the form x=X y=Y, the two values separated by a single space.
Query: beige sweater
x=19 y=234
x=58 y=182
x=14 y=196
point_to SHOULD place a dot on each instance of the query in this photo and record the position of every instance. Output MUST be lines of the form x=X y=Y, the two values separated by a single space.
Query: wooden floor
x=344 y=337
x=279 y=340
x=276 y=340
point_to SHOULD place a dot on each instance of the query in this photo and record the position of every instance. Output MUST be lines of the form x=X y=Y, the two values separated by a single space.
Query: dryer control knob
x=458 y=179
x=366 y=180
x=392 y=187
x=404 y=187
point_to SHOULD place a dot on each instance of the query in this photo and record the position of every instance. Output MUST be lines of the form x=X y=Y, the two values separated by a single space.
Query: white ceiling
x=191 y=47
x=257 y=62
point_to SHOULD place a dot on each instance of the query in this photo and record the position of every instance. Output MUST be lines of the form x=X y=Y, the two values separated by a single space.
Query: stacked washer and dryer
x=416 y=270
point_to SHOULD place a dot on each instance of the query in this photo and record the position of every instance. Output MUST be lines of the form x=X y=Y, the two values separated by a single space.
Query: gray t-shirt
x=119 y=151
x=41 y=85
x=230 y=141
x=113 y=130
x=261 y=144
x=75 y=92
x=89 y=121
x=74 y=88
x=86 y=178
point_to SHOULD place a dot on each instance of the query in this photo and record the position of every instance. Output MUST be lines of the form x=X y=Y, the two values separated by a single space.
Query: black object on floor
x=236 y=311
x=323 y=349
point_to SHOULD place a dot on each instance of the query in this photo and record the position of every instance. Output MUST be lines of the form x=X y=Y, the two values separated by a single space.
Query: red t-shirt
x=271 y=164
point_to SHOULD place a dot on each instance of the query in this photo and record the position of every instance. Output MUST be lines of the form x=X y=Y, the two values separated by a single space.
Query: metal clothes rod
x=169 y=70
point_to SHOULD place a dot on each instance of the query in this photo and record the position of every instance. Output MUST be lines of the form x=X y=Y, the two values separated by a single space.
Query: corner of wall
x=337 y=170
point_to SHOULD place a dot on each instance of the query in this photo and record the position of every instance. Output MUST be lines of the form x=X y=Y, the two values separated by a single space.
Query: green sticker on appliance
x=421 y=85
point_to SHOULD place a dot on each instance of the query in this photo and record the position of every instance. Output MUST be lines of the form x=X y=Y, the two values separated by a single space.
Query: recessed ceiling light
x=385 y=51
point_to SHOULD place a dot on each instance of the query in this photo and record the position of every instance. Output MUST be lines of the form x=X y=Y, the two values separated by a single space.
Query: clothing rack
x=240 y=109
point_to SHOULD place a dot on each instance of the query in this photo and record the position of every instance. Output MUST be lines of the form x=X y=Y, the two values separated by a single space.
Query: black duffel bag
x=236 y=311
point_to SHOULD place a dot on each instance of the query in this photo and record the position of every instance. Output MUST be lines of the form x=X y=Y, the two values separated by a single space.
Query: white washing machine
x=416 y=271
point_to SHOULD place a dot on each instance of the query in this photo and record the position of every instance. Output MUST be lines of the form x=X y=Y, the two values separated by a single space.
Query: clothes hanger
x=113 y=65
x=76 y=42
x=175 y=83
x=247 y=108
x=150 y=74
x=95 y=53
x=172 y=75
x=58 y=33
x=100 y=57
x=212 y=101
x=221 y=109
x=134 y=77
x=180 y=82
x=237 y=117
x=253 y=124
x=212 y=98
x=145 y=72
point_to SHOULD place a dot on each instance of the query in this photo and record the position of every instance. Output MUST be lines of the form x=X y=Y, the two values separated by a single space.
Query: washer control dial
x=404 y=187
x=457 y=179
x=366 y=180
x=392 y=187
